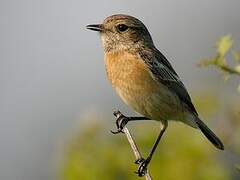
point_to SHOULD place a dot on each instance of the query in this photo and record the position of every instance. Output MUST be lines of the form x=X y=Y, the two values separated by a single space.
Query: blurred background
x=56 y=104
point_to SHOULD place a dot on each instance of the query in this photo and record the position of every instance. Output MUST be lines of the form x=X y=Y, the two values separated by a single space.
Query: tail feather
x=209 y=134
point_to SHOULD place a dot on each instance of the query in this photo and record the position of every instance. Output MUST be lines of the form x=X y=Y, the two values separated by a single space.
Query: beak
x=95 y=27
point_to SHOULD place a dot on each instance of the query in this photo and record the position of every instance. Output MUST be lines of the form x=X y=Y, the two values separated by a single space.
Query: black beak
x=95 y=27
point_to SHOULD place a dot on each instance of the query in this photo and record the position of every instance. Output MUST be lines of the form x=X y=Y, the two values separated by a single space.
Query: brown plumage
x=132 y=80
x=144 y=79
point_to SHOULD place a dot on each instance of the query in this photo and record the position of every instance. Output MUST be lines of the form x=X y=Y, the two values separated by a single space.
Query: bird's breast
x=125 y=71
x=133 y=81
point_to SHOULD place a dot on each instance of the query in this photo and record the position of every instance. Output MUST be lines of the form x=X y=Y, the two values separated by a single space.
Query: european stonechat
x=145 y=80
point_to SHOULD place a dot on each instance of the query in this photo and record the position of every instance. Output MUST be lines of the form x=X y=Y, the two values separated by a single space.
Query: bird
x=145 y=80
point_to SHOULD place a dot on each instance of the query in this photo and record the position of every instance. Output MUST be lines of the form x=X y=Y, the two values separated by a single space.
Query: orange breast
x=125 y=70
x=135 y=85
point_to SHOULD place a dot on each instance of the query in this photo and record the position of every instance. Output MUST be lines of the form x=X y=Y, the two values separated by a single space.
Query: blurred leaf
x=237 y=68
x=221 y=61
x=207 y=62
x=236 y=55
x=224 y=44
x=218 y=61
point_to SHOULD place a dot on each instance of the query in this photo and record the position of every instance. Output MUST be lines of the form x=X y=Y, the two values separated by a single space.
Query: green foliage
x=223 y=46
x=183 y=154
x=236 y=56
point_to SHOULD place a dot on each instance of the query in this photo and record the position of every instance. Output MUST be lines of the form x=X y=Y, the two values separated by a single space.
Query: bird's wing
x=163 y=72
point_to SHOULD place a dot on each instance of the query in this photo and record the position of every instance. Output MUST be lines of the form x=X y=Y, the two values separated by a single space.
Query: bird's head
x=122 y=32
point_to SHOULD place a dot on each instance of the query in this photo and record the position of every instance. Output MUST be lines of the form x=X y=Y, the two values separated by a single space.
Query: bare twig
x=134 y=148
x=228 y=69
x=223 y=67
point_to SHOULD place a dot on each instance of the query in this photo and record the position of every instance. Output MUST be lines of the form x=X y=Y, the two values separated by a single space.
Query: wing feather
x=164 y=73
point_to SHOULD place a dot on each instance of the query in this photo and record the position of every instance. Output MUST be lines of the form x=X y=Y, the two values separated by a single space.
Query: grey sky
x=52 y=72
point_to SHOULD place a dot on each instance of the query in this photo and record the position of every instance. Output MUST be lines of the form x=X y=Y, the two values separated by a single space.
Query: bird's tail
x=209 y=134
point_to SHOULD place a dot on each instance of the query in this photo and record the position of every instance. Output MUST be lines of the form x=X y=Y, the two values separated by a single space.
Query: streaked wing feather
x=164 y=72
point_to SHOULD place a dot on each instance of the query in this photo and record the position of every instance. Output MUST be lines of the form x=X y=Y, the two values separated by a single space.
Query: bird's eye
x=122 y=27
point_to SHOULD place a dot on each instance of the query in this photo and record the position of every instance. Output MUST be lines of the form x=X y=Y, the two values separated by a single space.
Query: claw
x=117 y=131
x=117 y=113
x=142 y=170
x=138 y=161
x=120 y=122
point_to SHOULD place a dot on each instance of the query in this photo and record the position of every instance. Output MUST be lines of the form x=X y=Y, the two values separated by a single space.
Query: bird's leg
x=144 y=162
x=123 y=120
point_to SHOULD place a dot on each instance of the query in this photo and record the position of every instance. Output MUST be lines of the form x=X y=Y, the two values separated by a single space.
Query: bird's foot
x=120 y=122
x=143 y=163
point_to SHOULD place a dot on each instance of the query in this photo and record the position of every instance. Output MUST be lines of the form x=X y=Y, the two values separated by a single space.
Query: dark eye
x=122 y=27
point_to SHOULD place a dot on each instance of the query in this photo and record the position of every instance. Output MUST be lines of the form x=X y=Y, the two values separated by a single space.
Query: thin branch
x=134 y=147
x=228 y=69
x=222 y=66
